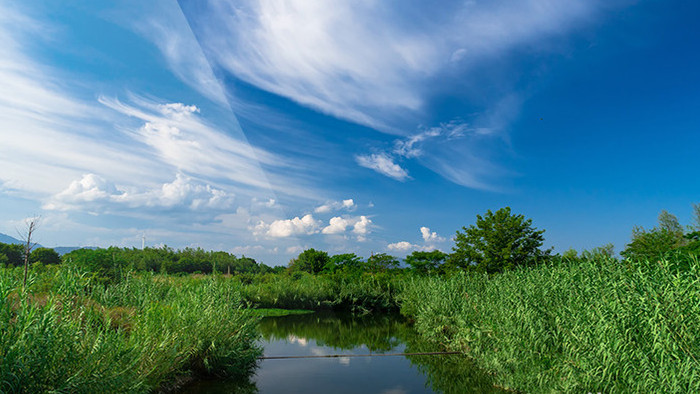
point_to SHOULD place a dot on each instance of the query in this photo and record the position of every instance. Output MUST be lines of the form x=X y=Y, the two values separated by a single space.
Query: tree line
x=497 y=241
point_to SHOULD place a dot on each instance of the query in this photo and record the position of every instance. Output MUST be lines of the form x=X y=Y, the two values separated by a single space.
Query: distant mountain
x=61 y=250
x=6 y=239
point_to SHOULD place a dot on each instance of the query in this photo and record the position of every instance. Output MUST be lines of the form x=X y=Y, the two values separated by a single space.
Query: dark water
x=328 y=333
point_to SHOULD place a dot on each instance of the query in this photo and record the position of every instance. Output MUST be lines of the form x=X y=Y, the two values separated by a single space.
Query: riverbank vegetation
x=137 y=320
x=65 y=332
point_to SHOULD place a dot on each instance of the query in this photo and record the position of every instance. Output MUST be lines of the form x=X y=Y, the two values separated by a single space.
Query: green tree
x=381 y=262
x=348 y=262
x=426 y=263
x=12 y=253
x=650 y=244
x=657 y=242
x=498 y=241
x=605 y=251
x=696 y=217
x=310 y=260
x=45 y=256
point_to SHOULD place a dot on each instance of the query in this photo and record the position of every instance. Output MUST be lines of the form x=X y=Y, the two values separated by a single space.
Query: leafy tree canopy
x=426 y=263
x=310 y=260
x=655 y=243
x=498 y=241
x=45 y=256
x=381 y=262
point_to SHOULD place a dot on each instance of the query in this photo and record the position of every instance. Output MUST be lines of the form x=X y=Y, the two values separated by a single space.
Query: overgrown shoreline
x=65 y=334
x=566 y=326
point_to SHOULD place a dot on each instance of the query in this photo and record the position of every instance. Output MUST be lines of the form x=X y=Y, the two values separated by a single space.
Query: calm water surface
x=329 y=333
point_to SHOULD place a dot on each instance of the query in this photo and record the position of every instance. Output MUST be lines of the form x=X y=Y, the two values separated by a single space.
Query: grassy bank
x=64 y=333
x=599 y=326
x=359 y=293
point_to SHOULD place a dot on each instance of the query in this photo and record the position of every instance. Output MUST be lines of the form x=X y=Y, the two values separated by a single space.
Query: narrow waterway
x=321 y=334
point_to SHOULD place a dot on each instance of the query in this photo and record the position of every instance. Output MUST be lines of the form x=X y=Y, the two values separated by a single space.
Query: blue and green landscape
x=351 y=196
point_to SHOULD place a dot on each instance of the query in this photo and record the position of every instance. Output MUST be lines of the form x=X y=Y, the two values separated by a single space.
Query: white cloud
x=330 y=206
x=247 y=249
x=402 y=246
x=405 y=246
x=93 y=191
x=429 y=236
x=336 y=225
x=283 y=228
x=383 y=164
x=366 y=61
x=294 y=250
x=362 y=226
x=164 y=24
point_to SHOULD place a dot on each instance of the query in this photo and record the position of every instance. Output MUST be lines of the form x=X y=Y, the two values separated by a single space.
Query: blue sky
x=263 y=128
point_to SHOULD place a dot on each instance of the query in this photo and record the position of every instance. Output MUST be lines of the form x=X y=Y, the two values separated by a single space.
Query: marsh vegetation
x=144 y=320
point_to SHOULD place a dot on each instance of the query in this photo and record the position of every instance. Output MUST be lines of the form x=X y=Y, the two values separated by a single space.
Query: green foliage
x=497 y=242
x=426 y=263
x=606 y=251
x=346 y=262
x=596 y=326
x=45 y=256
x=381 y=262
x=133 y=336
x=651 y=244
x=669 y=222
x=13 y=254
x=301 y=290
x=311 y=260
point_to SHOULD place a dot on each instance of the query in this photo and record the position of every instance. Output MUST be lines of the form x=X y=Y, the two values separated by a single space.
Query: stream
x=320 y=334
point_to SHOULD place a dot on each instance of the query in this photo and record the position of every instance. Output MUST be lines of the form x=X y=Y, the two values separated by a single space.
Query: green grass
x=593 y=326
x=65 y=334
x=276 y=312
x=360 y=293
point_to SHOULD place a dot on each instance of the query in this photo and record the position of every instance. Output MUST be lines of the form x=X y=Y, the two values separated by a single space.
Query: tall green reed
x=590 y=326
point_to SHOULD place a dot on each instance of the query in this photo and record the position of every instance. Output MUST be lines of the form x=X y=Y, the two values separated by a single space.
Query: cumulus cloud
x=283 y=228
x=401 y=246
x=93 y=191
x=429 y=236
x=294 y=250
x=330 y=206
x=362 y=226
x=383 y=164
x=405 y=246
x=336 y=225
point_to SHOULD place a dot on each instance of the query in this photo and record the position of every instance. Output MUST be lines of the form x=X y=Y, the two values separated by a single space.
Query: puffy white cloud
x=405 y=246
x=336 y=225
x=330 y=206
x=429 y=236
x=362 y=226
x=92 y=191
x=402 y=246
x=294 y=249
x=383 y=164
x=283 y=228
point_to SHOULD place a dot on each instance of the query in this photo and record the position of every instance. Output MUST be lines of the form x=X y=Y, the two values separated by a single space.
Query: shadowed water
x=331 y=333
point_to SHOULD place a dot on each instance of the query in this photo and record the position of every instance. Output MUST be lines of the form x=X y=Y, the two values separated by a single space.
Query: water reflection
x=331 y=333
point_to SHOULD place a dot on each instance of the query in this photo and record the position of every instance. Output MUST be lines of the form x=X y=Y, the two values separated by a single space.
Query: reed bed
x=63 y=333
x=359 y=293
x=591 y=326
